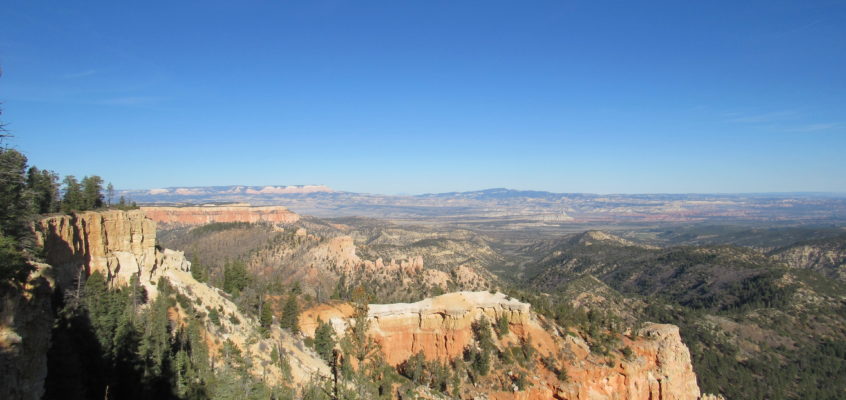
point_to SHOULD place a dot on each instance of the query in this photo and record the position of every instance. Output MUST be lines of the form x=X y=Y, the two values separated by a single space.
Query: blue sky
x=432 y=96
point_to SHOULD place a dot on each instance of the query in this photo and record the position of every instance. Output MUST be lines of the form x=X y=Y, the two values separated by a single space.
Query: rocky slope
x=321 y=256
x=199 y=215
x=744 y=313
x=320 y=263
x=441 y=328
x=826 y=256
x=119 y=244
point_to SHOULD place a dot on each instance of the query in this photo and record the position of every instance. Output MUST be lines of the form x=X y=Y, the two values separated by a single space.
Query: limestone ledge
x=115 y=243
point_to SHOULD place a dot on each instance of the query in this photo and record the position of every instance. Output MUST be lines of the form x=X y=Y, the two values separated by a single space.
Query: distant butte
x=205 y=214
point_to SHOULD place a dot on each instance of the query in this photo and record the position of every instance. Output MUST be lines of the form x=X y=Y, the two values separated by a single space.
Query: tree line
x=28 y=191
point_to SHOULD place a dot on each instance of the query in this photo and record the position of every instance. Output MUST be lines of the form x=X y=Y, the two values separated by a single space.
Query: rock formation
x=825 y=256
x=198 y=215
x=441 y=328
x=118 y=244
x=26 y=320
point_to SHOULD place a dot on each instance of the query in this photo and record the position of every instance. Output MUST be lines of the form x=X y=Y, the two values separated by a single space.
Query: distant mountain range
x=521 y=208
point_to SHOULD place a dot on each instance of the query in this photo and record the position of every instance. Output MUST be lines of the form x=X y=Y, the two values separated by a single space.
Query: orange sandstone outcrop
x=441 y=328
x=116 y=243
x=199 y=215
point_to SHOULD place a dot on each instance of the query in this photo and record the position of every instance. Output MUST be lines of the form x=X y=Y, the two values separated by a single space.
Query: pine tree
x=362 y=346
x=324 y=341
x=110 y=193
x=235 y=277
x=266 y=315
x=43 y=187
x=13 y=206
x=73 y=199
x=198 y=271
x=502 y=325
x=15 y=212
x=98 y=303
x=92 y=188
x=13 y=264
x=290 y=315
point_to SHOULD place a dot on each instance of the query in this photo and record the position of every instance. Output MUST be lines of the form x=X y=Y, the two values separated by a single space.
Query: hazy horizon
x=472 y=190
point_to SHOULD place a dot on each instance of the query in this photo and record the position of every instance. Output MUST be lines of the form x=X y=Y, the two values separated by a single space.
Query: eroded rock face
x=441 y=328
x=672 y=375
x=121 y=243
x=116 y=243
x=199 y=215
x=26 y=319
x=828 y=259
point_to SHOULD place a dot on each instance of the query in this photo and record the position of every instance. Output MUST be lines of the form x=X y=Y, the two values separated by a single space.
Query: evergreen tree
x=92 y=192
x=13 y=263
x=235 y=277
x=341 y=292
x=214 y=316
x=99 y=304
x=14 y=210
x=290 y=315
x=155 y=343
x=110 y=193
x=198 y=271
x=482 y=332
x=266 y=315
x=73 y=198
x=482 y=359
x=362 y=346
x=324 y=341
x=43 y=187
x=502 y=325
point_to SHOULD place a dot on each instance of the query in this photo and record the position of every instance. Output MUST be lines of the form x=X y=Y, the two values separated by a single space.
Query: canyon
x=122 y=244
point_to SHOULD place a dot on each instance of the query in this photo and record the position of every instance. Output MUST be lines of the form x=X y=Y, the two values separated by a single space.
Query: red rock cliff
x=198 y=215
x=658 y=369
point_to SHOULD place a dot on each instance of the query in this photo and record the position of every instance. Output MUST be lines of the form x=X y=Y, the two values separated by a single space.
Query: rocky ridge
x=826 y=256
x=319 y=263
x=199 y=215
x=441 y=329
x=119 y=244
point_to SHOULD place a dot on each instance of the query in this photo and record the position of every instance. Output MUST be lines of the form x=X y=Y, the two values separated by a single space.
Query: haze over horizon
x=382 y=97
x=473 y=190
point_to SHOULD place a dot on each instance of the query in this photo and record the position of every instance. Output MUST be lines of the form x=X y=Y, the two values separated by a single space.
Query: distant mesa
x=255 y=190
x=206 y=214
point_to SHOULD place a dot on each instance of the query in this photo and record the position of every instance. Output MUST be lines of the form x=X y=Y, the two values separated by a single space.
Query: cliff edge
x=441 y=328
x=199 y=215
